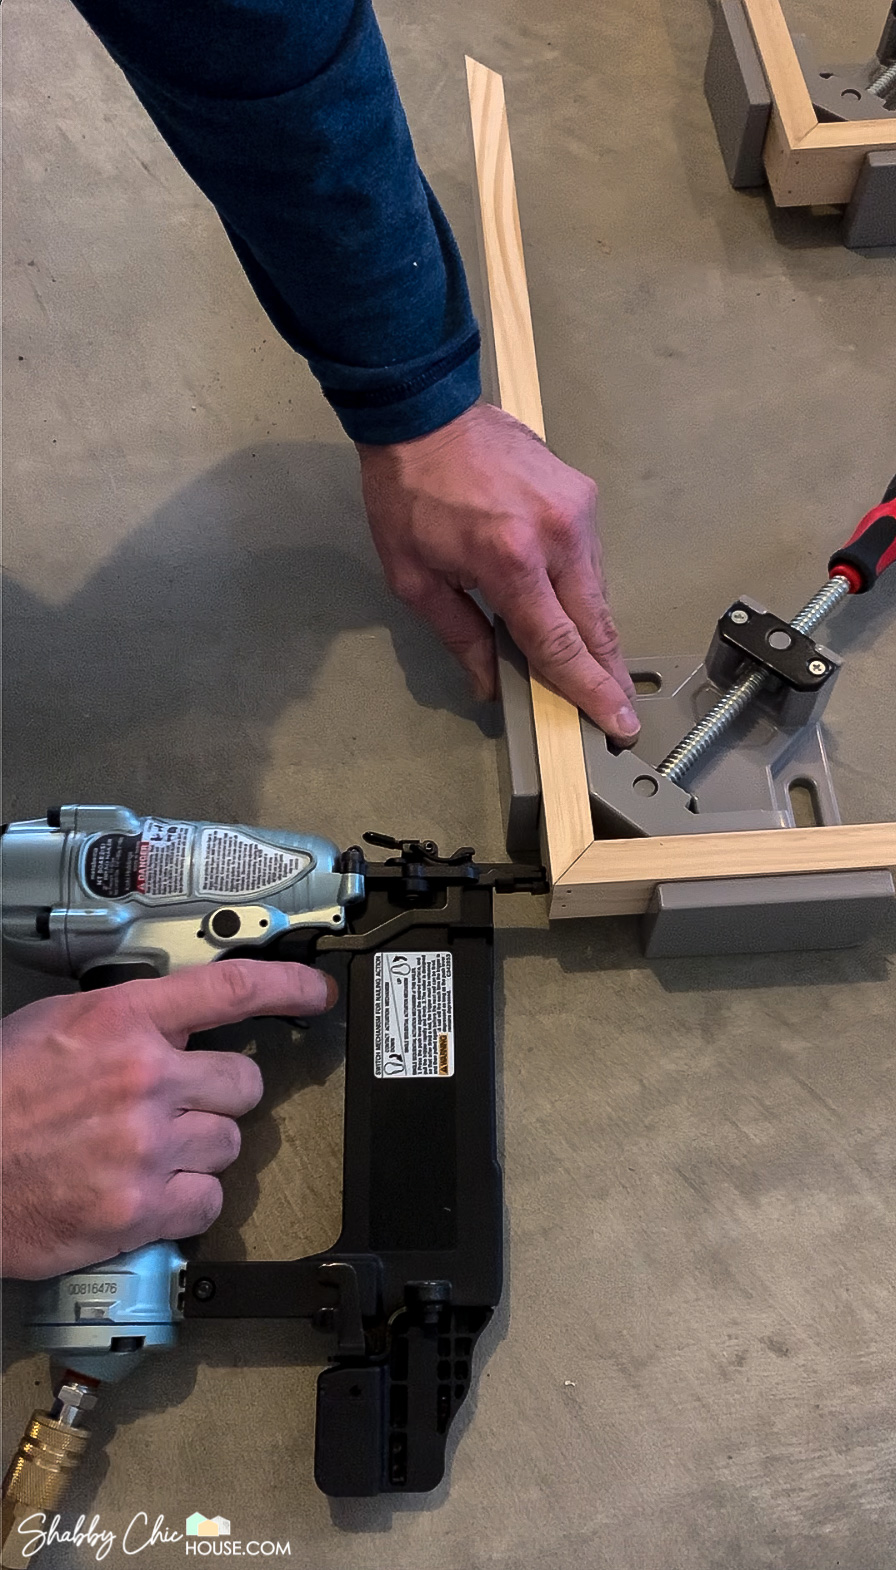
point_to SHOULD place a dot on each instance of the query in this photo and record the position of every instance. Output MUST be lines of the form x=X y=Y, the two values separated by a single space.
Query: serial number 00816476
x=93 y=1288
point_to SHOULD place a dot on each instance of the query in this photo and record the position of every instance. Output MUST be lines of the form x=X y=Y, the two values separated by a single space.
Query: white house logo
x=209 y=1536
x=207 y=1526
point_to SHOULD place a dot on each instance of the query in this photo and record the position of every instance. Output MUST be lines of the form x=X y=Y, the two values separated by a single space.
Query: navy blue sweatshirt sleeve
x=286 y=115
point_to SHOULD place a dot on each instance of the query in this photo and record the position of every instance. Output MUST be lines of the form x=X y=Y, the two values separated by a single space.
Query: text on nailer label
x=231 y=862
x=413 y=1015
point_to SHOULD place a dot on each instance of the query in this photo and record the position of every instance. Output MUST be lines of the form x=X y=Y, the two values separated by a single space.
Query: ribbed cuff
x=375 y=407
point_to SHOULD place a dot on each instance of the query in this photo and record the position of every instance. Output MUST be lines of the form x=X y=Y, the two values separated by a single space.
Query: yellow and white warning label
x=413 y=1015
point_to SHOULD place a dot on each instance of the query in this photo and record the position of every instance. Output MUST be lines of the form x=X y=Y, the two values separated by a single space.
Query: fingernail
x=625 y=721
x=332 y=991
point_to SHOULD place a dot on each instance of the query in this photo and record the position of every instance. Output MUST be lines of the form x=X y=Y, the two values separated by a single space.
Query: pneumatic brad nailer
x=104 y=896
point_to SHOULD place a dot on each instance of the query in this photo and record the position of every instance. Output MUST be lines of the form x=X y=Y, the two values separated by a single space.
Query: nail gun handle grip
x=112 y=975
x=871 y=549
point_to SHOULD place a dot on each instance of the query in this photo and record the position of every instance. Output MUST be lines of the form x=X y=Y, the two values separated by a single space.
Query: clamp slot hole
x=803 y=795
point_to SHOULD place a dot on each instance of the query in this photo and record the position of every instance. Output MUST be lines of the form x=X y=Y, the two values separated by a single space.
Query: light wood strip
x=782 y=68
x=565 y=804
x=826 y=165
x=866 y=135
x=508 y=289
x=617 y=877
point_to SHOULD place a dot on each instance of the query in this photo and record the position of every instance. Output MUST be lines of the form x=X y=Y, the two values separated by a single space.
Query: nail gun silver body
x=90 y=886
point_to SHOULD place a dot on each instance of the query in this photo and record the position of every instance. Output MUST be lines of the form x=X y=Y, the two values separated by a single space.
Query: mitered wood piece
x=808 y=164
x=617 y=877
x=566 y=808
x=783 y=72
x=824 y=168
x=514 y=340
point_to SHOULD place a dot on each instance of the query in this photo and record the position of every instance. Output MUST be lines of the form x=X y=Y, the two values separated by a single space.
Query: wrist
x=420 y=449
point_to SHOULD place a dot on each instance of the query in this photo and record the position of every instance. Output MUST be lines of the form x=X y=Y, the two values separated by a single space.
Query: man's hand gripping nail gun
x=105 y=896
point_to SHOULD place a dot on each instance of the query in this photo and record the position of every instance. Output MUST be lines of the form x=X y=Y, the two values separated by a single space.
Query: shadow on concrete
x=613 y=944
x=160 y=680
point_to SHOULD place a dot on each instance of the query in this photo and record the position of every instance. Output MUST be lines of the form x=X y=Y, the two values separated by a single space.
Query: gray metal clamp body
x=746 y=783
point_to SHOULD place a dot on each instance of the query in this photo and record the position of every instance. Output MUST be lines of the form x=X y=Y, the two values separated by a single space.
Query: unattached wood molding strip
x=566 y=805
x=617 y=877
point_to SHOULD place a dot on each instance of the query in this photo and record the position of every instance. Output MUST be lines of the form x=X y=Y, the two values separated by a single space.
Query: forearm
x=286 y=115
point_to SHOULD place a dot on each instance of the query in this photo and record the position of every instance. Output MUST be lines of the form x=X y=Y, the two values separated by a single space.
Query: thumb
x=226 y=992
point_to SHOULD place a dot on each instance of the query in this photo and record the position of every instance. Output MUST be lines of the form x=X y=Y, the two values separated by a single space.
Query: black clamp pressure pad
x=775 y=645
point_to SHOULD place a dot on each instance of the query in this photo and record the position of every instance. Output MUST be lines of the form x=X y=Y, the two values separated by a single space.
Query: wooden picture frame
x=592 y=877
x=808 y=164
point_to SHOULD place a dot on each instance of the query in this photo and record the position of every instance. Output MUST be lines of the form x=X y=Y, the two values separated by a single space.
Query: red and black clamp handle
x=871 y=549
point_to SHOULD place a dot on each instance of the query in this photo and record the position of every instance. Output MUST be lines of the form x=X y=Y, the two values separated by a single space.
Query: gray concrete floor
x=693 y=1367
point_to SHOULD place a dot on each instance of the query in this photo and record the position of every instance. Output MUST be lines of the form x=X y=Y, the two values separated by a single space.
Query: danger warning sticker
x=154 y=863
x=162 y=866
x=174 y=860
x=413 y=1015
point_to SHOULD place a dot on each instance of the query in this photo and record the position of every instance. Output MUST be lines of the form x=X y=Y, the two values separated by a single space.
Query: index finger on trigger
x=227 y=992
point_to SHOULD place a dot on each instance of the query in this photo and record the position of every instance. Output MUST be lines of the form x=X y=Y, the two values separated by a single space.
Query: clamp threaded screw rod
x=707 y=731
x=881 y=85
